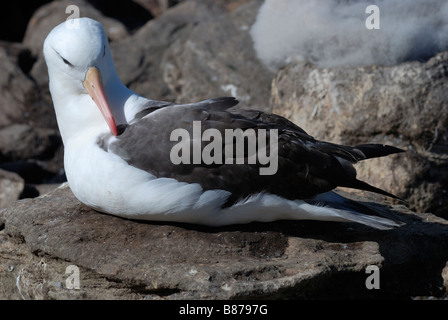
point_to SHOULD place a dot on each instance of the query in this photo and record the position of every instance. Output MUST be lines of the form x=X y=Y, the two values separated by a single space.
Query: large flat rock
x=123 y=259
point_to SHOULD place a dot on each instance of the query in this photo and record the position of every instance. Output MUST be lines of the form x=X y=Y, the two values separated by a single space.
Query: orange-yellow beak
x=93 y=83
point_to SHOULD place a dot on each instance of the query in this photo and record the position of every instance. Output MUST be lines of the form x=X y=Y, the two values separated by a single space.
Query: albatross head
x=81 y=69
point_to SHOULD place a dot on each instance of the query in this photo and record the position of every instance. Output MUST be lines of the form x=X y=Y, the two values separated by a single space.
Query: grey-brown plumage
x=306 y=166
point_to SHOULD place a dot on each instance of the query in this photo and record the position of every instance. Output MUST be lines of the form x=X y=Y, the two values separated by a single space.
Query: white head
x=80 y=69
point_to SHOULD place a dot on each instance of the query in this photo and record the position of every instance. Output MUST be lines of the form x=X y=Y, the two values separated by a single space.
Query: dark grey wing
x=150 y=106
x=332 y=163
x=221 y=103
x=306 y=167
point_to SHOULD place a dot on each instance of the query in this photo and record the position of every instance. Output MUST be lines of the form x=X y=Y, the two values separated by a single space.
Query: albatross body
x=119 y=147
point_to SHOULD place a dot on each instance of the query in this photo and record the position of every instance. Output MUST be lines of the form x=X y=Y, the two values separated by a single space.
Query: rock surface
x=404 y=105
x=11 y=187
x=124 y=259
x=14 y=88
x=22 y=141
x=185 y=56
x=231 y=66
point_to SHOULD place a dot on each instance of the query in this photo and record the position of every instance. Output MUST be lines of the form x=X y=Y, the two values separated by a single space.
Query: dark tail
x=358 y=184
x=374 y=151
x=371 y=214
x=377 y=150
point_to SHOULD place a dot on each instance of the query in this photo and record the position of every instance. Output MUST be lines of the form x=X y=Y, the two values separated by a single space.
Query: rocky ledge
x=117 y=258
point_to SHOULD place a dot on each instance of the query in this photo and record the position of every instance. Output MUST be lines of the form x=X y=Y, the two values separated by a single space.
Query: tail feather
x=361 y=185
x=368 y=220
x=377 y=150
x=371 y=151
x=375 y=216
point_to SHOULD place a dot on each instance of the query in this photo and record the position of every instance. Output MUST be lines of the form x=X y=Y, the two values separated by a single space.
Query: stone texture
x=404 y=105
x=22 y=141
x=184 y=56
x=157 y=7
x=15 y=86
x=11 y=187
x=211 y=63
x=125 y=259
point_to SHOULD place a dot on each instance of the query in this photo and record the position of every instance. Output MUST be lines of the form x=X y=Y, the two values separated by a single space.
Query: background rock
x=157 y=7
x=231 y=66
x=124 y=259
x=404 y=105
x=184 y=56
x=11 y=187
x=15 y=86
x=138 y=59
x=22 y=141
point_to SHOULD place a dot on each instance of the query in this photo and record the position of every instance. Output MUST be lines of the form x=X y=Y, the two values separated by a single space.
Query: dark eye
x=63 y=59
x=67 y=62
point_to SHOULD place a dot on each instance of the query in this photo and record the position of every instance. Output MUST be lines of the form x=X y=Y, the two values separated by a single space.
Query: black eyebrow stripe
x=63 y=59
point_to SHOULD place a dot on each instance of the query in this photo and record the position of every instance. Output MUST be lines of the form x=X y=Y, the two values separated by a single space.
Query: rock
x=131 y=14
x=24 y=101
x=404 y=105
x=138 y=59
x=11 y=187
x=124 y=259
x=22 y=141
x=24 y=94
x=19 y=55
x=29 y=140
x=50 y=15
x=45 y=188
x=445 y=276
x=158 y=7
x=35 y=171
x=15 y=87
x=211 y=63
x=184 y=56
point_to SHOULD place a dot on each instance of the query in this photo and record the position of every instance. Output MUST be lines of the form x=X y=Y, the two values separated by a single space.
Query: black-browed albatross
x=118 y=145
